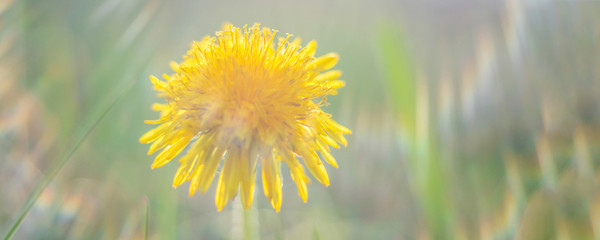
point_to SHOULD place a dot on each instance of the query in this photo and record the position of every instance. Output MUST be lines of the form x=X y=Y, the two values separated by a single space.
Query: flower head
x=241 y=99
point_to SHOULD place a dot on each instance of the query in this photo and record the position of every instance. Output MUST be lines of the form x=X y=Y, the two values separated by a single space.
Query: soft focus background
x=470 y=120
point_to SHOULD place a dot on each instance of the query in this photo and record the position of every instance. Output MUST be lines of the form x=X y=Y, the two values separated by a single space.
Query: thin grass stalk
x=146 y=217
x=58 y=166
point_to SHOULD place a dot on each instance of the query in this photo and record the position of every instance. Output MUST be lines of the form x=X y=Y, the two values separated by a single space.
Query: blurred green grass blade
x=316 y=234
x=423 y=152
x=58 y=166
x=399 y=74
x=434 y=195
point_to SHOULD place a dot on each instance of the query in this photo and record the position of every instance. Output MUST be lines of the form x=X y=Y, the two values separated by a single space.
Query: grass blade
x=56 y=168
x=411 y=97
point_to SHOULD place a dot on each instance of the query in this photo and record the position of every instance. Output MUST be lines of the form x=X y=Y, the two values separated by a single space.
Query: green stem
x=147 y=202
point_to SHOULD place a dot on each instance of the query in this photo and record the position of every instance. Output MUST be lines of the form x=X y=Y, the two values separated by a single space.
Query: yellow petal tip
x=304 y=197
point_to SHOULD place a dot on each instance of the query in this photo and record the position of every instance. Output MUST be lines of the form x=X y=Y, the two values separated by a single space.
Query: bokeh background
x=470 y=119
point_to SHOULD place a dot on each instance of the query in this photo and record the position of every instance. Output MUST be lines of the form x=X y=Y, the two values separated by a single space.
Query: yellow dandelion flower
x=240 y=99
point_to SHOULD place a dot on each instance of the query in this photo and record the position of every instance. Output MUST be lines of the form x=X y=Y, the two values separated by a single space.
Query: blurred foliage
x=470 y=120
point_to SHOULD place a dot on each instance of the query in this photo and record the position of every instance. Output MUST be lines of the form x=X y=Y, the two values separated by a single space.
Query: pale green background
x=497 y=91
